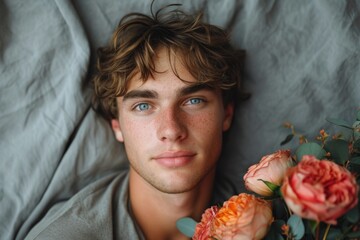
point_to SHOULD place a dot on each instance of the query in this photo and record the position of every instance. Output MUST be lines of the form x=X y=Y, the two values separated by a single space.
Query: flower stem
x=287 y=209
x=326 y=231
x=318 y=231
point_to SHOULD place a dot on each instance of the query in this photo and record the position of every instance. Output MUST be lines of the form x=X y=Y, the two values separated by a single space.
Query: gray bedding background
x=303 y=65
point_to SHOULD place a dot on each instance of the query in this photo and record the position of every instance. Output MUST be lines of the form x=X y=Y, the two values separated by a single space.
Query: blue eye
x=142 y=107
x=195 y=101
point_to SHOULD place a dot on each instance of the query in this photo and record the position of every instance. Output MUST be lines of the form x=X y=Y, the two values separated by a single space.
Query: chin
x=175 y=190
x=179 y=185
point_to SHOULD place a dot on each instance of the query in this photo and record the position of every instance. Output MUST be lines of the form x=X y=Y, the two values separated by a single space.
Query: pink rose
x=320 y=190
x=202 y=230
x=271 y=168
x=242 y=217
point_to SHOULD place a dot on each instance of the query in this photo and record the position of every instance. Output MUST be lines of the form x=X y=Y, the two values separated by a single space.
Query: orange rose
x=320 y=190
x=202 y=230
x=242 y=217
x=271 y=168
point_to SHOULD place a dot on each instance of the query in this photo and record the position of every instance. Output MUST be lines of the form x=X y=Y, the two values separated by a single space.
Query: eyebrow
x=194 y=88
x=140 y=94
x=150 y=94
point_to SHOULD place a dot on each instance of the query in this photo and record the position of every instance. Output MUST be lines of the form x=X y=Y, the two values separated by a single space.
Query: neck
x=156 y=212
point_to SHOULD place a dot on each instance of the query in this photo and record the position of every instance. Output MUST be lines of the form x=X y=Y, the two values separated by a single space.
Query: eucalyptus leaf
x=339 y=122
x=287 y=139
x=186 y=226
x=310 y=148
x=297 y=227
x=339 y=150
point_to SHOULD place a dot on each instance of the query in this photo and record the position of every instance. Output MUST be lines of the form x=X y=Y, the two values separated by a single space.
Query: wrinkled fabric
x=302 y=65
x=99 y=211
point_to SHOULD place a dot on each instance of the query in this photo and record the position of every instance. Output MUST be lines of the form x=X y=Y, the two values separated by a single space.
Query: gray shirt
x=99 y=211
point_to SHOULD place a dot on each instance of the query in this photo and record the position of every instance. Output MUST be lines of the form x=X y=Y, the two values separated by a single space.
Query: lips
x=174 y=159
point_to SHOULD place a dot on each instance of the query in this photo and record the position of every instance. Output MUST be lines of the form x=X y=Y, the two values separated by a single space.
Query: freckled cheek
x=208 y=123
x=137 y=131
x=206 y=131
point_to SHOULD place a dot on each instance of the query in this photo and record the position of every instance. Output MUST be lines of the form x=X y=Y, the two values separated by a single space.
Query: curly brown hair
x=204 y=49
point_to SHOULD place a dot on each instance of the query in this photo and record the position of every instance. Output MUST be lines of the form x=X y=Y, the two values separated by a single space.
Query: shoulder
x=93 y=213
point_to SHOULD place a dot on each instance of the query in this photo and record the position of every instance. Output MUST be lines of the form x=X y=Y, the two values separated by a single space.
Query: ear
x=229 y=112
x=115 y=125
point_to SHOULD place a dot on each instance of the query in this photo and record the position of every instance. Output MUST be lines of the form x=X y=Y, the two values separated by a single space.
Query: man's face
x=172 y=131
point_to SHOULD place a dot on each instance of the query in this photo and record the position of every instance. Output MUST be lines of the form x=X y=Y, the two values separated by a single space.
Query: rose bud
x=271 y=168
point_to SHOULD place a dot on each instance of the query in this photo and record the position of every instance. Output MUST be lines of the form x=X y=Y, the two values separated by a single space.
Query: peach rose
x=320 y=190
x=242 y=217
x=202 y=230
x=271 y=168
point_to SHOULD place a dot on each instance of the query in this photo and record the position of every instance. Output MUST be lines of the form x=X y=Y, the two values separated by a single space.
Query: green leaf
x=312 y=225
x=310 y=149
x=287 y=139
x=353 y=215
x=355 y=160
x=339 y=150
x=356 y=144
x=297 y=227
x=278 y=224
x=186 y=226
x=271 y=235
x=274 y=232
x=354 y=165
x=334 y=233
x=356 y=130
x=353 y=234
x=270 y=185
x=358 y=115
x=339 y=122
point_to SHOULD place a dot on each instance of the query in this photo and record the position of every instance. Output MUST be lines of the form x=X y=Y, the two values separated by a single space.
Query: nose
x=172 y=125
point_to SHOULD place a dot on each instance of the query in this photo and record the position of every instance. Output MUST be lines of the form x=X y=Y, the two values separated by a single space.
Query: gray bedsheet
x=303 y=65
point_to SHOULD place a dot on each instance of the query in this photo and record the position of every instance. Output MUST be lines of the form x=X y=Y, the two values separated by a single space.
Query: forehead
x=169 y=69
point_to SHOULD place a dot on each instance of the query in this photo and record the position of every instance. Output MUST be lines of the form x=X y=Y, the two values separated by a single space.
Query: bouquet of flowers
x=311 y=194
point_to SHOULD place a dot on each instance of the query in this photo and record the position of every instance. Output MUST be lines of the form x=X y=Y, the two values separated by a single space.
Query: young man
x=167 y=85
